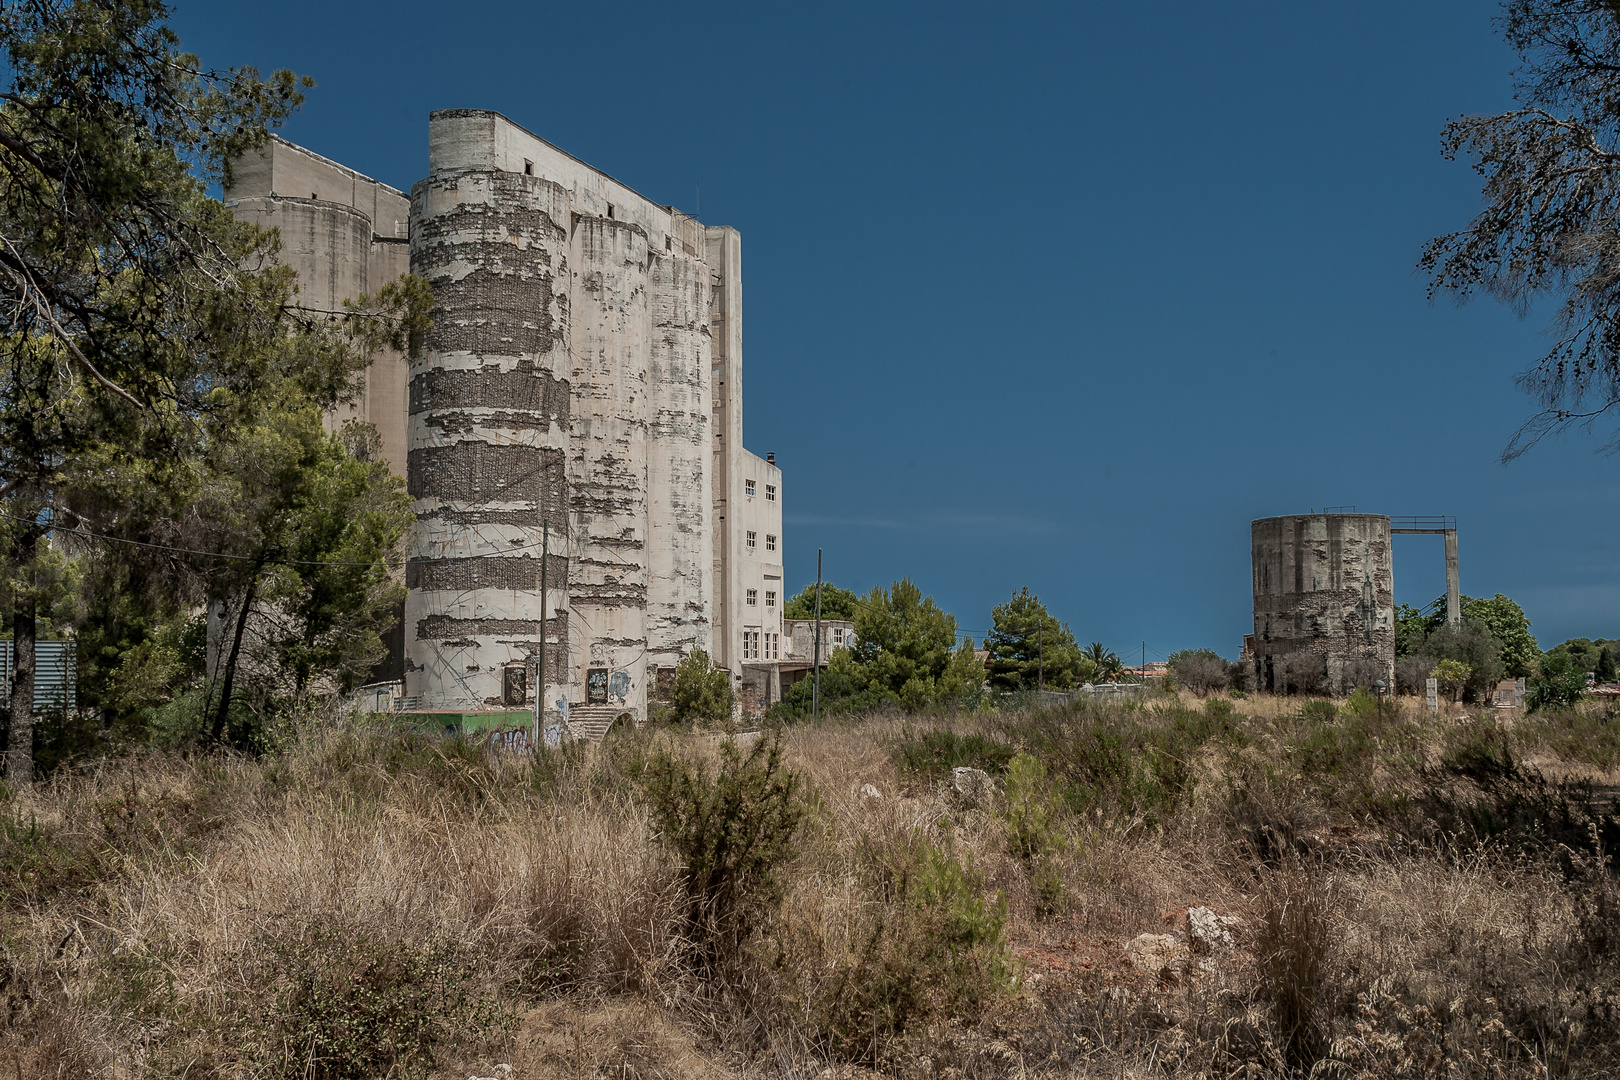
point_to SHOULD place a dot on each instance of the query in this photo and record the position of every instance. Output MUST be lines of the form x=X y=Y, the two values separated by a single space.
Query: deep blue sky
x=1047 y=295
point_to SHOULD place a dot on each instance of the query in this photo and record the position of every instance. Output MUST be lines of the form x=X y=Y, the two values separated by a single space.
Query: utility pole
x=1144 y=663
x=1040 y=662
x=815 y=663
x=540 y=673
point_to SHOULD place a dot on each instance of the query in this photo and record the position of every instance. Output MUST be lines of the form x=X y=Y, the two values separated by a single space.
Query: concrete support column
x=1453 y=590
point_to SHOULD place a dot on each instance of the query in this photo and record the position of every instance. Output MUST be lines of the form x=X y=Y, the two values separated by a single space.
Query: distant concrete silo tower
x=1324 y=602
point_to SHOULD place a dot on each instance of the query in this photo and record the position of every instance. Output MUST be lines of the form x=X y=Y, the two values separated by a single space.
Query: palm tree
x=1108 y=665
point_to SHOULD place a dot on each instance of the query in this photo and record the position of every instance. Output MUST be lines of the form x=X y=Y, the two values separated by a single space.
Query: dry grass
x=166 y=916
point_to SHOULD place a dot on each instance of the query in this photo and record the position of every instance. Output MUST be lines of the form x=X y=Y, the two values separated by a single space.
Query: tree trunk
x=20 y=751
x=224 y=707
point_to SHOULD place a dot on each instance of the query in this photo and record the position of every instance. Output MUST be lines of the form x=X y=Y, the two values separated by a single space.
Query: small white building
x=799 y=653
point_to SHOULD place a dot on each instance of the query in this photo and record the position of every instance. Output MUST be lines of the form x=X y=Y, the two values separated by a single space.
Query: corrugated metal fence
x=56 y=672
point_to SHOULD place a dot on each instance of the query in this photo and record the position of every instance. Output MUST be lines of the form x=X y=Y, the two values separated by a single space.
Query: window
x=770 y=542
x=748 y=488
x=838 y=635
x=610 y=210
x=770 y=598
x=753 y=597
x=750 y=644
x=773 y=646
x=752 y=540
x=596 y=686
x=770 y=492
x=528 y=167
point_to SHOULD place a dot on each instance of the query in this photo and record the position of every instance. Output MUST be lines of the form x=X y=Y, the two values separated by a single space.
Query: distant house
x=799 y=646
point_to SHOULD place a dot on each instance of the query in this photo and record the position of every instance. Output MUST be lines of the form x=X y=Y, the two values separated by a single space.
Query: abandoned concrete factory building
x=1324 y=598
x=581 y=388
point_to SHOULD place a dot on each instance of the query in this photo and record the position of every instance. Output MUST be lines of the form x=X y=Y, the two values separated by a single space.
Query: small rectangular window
x=528 y=167
x=838 y=635
x=753 y=597
x=610 y=210
x=770 y=598
x=748 y=488
x=770 y=542
x=752 y=540
x=770 y=492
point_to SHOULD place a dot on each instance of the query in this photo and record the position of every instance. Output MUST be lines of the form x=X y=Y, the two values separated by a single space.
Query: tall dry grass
x=1412 y=905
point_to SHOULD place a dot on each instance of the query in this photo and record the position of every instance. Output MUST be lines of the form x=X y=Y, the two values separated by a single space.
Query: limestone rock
x=870 y=791
x=1209 y=930
x=500 y=1072
x=1157 y=954
x=974 y=785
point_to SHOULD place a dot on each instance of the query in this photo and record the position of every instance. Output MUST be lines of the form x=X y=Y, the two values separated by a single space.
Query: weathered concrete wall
x=346 y=235
x=1324 y=604
x=490 y=415
x=680 y=584
x=607 y=583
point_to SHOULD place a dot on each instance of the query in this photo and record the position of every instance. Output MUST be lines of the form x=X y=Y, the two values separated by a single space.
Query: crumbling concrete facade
x=579 y=393
x=346 y=235
x=1324 y=602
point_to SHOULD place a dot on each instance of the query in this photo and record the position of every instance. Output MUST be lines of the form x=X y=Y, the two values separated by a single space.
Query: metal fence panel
x=56 y=670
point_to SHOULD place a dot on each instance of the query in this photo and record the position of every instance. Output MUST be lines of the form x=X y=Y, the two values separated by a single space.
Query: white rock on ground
x=1210 y=930
x=870 y=791
x=974 y=785
x=1157 y=954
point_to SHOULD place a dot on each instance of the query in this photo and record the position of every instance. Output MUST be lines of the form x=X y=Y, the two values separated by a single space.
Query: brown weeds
x=230 y=917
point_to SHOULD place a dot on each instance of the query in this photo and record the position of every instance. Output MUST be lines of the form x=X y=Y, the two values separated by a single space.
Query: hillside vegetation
x=1333 y=890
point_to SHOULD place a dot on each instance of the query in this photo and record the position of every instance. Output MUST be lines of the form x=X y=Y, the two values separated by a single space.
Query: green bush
x=702 y=693
x=1479 y=751
x=345 y=1005
x=1032 y=830
x=1137 y=760
x=936 y=948
x=1561 y=681
x=730 y=831
x=1318 y=711
x=1361 y=702
x=933 y=754
x=1031 y=825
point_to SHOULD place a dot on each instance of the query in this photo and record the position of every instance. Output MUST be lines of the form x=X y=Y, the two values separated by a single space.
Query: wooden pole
x=815 y=663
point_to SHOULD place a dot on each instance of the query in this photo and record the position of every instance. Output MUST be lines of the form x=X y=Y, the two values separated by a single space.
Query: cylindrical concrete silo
x=489 y=424
x=607 y=584
x=1324 y=603
x=680 y=449
x=328 y=243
